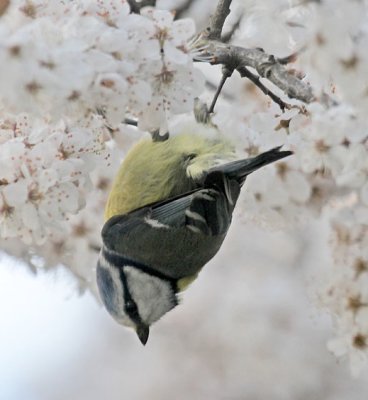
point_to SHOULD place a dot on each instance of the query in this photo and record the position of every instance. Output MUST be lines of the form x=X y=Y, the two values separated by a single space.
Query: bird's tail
x=240 y=169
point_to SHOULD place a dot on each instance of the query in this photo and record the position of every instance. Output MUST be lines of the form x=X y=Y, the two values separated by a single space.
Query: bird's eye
x=131 y=307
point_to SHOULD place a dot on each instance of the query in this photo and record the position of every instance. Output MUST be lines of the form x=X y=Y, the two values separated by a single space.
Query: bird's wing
x=204 y=211
x=157 y=215
x=188 y=229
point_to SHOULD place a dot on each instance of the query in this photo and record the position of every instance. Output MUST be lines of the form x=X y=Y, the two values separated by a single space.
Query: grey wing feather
x=198 y=211
x=170 y=213
x=176 y=237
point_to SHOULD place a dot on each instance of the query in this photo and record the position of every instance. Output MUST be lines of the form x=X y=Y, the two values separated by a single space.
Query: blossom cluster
x=68 y=58
x=327 y=178
x=44 y=173
x=345 y=293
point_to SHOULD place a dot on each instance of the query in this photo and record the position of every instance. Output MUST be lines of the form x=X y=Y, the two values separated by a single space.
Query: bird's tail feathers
x=240 y=169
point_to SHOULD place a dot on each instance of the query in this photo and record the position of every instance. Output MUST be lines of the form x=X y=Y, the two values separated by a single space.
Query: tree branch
x=226 y=73
x=245 y=73
x=267 y=66
x=218 y=19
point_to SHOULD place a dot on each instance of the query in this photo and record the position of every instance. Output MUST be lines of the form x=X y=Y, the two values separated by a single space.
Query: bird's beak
x=143 y=333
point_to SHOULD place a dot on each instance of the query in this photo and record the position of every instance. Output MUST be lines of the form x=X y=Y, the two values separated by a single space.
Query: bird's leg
x=226 y=73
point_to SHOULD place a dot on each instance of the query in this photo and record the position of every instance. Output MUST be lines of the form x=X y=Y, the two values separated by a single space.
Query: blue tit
x=167 y=214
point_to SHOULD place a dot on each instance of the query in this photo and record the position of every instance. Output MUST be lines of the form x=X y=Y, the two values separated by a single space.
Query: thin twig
x=136 y=6
x=209 y=48
x=267 y=66
x=212 y=87
x=218 y=19
x=182 y=9
x=226 y=73
x=245 y=73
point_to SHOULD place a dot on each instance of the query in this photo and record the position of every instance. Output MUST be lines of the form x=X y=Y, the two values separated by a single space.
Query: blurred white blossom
x=344 y=291
x=70 y=58
x=44 y=169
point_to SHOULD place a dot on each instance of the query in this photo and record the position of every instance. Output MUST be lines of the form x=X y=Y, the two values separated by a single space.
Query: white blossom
x=72 y=58
x=45 y=168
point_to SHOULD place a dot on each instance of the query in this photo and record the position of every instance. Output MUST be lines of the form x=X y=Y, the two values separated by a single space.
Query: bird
x=167 y=215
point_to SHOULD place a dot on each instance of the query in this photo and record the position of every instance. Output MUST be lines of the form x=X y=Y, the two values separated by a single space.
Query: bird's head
x=135 y=298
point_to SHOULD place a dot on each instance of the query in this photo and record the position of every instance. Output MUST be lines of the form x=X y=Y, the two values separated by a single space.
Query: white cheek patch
x=112 y=291
x=204 y=162
x=153 y=296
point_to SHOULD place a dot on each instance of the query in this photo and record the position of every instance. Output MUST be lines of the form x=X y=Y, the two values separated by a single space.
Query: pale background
x=246 y=329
